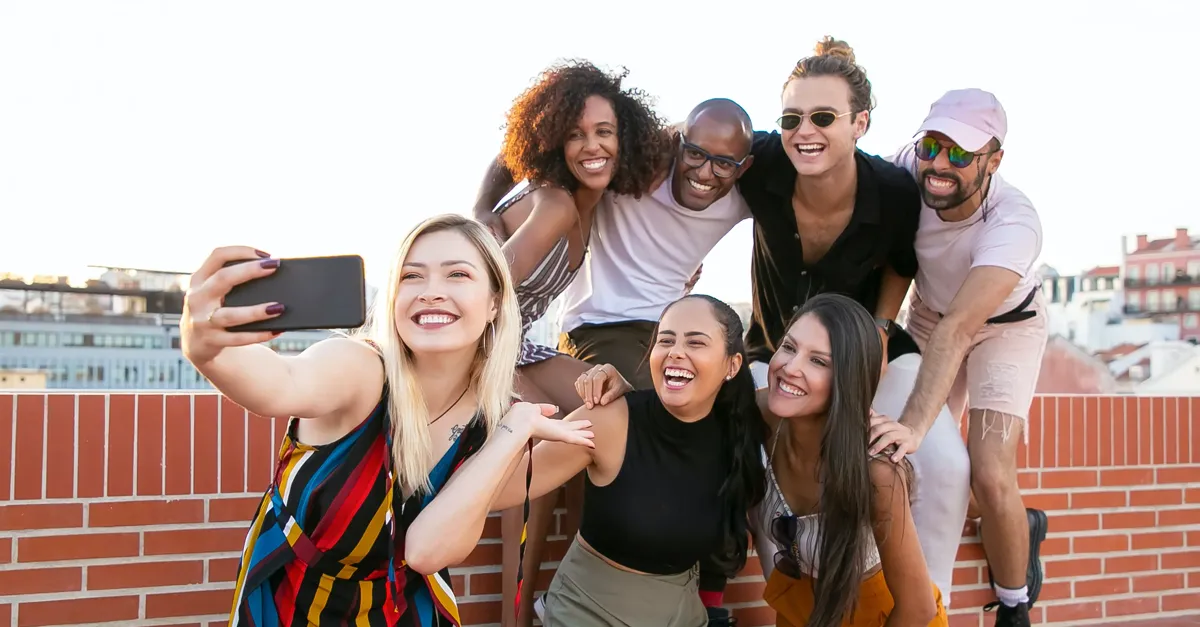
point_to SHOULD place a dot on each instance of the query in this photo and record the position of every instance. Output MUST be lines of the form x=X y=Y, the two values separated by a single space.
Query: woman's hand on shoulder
x=601 y=385
x=535 y=419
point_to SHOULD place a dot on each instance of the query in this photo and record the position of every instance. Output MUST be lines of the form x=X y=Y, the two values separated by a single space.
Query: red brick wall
x=131 y=509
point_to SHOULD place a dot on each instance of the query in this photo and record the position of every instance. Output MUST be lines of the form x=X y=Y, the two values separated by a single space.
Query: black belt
x=1017 y=314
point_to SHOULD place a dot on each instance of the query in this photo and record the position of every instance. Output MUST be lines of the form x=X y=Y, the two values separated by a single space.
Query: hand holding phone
x=315 y=293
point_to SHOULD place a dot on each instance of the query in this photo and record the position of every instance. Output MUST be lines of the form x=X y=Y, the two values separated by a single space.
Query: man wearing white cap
x=978 y=315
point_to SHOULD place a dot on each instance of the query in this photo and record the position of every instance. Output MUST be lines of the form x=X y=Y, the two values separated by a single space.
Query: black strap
x=1017 y=314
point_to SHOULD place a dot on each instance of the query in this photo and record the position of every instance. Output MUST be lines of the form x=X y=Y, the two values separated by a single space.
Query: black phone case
x=316 y=292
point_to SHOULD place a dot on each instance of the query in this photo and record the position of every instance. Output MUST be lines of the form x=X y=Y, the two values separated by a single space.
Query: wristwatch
x=887 y=325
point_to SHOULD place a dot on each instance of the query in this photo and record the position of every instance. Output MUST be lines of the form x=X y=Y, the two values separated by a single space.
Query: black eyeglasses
x=695 y=157
x=820 y=119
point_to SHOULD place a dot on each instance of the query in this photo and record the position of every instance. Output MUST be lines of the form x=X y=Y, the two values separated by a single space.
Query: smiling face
x=592 y=147
x=689 y=362
x=717 y=146
x=945 y=186
x=815 y=150
x=445 y=300
x=800 y=373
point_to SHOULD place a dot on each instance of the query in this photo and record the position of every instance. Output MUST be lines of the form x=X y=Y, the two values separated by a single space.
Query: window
x=1191 y=321
x=1168 y=272
x=1133 y=273
x=1152 y=300
x=1087 y=285
x=1194 y=298
x=1152 y=273
x=1193 y=269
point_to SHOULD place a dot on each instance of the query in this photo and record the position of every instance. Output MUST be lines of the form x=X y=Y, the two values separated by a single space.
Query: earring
x=492 y=326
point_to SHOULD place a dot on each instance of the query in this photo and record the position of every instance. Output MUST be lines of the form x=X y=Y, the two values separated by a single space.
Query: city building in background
x=1162 y=282
x=117 y=331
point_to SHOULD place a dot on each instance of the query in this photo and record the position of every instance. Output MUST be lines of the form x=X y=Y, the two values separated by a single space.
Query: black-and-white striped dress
x=543 y=285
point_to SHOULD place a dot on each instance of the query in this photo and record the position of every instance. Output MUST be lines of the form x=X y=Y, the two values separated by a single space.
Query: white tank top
x=806 y=548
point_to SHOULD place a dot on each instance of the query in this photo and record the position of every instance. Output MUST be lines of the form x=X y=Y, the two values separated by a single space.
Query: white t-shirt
x=1010 y=237
x=641 y=254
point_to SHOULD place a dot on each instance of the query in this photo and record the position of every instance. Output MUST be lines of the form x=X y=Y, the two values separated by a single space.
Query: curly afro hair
x=541 y=118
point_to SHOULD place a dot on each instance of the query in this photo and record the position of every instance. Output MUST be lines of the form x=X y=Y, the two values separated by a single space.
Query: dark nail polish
x=274 y=309
x=261 y=253
x=269 y=263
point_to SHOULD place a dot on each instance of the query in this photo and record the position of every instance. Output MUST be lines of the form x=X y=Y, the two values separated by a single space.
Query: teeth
x=809 y=146
x=679 y=372
x=434 y=319
x=699 y=187
x=938 y=182
x=791 y=389
x=594 y=164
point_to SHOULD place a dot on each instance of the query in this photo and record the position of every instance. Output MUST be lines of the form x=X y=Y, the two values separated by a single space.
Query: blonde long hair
x=492 y=372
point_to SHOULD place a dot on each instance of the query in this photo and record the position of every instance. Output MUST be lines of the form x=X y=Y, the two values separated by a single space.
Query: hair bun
x=830 y=47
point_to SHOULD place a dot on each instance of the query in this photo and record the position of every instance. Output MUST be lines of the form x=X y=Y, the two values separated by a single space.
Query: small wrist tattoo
x=506 y=428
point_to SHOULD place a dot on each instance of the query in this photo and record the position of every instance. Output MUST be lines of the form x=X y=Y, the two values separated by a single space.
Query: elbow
x=917 y=612
x=427 y=557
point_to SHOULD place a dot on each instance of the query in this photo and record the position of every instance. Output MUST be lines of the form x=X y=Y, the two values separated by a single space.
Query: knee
x=993 y=482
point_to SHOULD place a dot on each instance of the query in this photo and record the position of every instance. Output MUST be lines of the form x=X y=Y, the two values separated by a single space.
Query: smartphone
x=316 y=292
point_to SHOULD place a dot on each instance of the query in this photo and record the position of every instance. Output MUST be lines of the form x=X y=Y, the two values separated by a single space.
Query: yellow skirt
x=792 y=600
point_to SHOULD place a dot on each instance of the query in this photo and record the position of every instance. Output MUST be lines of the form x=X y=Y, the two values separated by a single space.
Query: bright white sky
x=145 y=133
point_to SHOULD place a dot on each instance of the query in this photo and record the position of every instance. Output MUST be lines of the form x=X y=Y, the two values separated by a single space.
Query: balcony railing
x=1182 y=306
x=1179 y=280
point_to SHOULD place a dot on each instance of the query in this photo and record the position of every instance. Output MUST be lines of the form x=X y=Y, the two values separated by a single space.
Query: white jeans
x=941 y=465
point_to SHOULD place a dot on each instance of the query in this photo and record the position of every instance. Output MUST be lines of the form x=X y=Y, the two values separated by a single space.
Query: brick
x=60 y=446
x=1075 y=612
x=92 y=446
x=1130 y=564
x=1181 y=560
x=141 y=513
x=1100 y=544
x=149 y=444
x=1072 y=568
x=7 y=406
x=479 y=613
x=1060 y=523
x=75 y=547
x=1178 y=517
x=960 y=620
x=185 y=541
x=233 y=509
x=144 y=575
x=23 y=517
x=1128 y=520
x=233 y=447
x=965 y=576
x=74 y=611
x=1181 y=602
x=1089 y=500
x=1127 y=477
x=5 y=551
x=483 y=555
x=1157 y=540
x=1148 y=498
x=41 y=580
x=120 y=454
x=204 y=434
x=191 y=603
x=1158 y=583
x=177 y=458
x=1178 y=474
x=1058 y=479
x=1192 y=496
x=223 y=569
x=1048 y=501
x=261 y=453
x=1102 y=587
x=28 y=464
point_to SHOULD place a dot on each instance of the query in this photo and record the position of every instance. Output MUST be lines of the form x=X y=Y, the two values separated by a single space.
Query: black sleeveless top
x=662 y=513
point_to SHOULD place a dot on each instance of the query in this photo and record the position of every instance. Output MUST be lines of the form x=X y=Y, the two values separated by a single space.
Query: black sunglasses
x=695 y=157
x=820 y=119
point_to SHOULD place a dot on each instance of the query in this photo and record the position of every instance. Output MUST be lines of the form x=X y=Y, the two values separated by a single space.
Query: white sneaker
x=539 y=608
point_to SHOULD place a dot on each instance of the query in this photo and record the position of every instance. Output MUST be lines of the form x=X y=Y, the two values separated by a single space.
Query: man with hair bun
x=979 y=317
x=830 y=218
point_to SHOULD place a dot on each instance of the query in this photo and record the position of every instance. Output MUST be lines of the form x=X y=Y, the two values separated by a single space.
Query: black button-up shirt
x=881 y=231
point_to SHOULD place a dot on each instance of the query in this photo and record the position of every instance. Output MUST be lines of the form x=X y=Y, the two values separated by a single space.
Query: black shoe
x=1034 y=573
x=721 y=617
x=1009 y=616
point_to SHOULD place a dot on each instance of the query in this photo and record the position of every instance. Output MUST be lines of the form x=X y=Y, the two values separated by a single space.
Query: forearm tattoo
x=506 y=428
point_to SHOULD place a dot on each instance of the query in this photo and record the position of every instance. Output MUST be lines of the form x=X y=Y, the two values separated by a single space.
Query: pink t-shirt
x=1010 y=237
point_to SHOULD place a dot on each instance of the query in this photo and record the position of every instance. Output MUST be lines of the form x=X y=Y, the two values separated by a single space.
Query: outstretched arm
x=552 y=217
x=903 y=562
x=448 y=529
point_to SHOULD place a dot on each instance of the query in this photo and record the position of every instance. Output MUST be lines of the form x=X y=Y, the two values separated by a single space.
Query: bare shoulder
x=890 y=480
x=551 y=200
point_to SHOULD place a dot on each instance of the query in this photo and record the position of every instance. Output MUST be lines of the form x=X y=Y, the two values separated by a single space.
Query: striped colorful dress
x=543 y=285
x=327 y=544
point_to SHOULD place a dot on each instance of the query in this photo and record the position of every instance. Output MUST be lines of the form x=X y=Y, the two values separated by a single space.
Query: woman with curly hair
x=574 y=134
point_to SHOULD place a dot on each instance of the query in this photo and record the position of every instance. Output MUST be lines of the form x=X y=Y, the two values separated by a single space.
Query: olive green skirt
x=588 y=592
